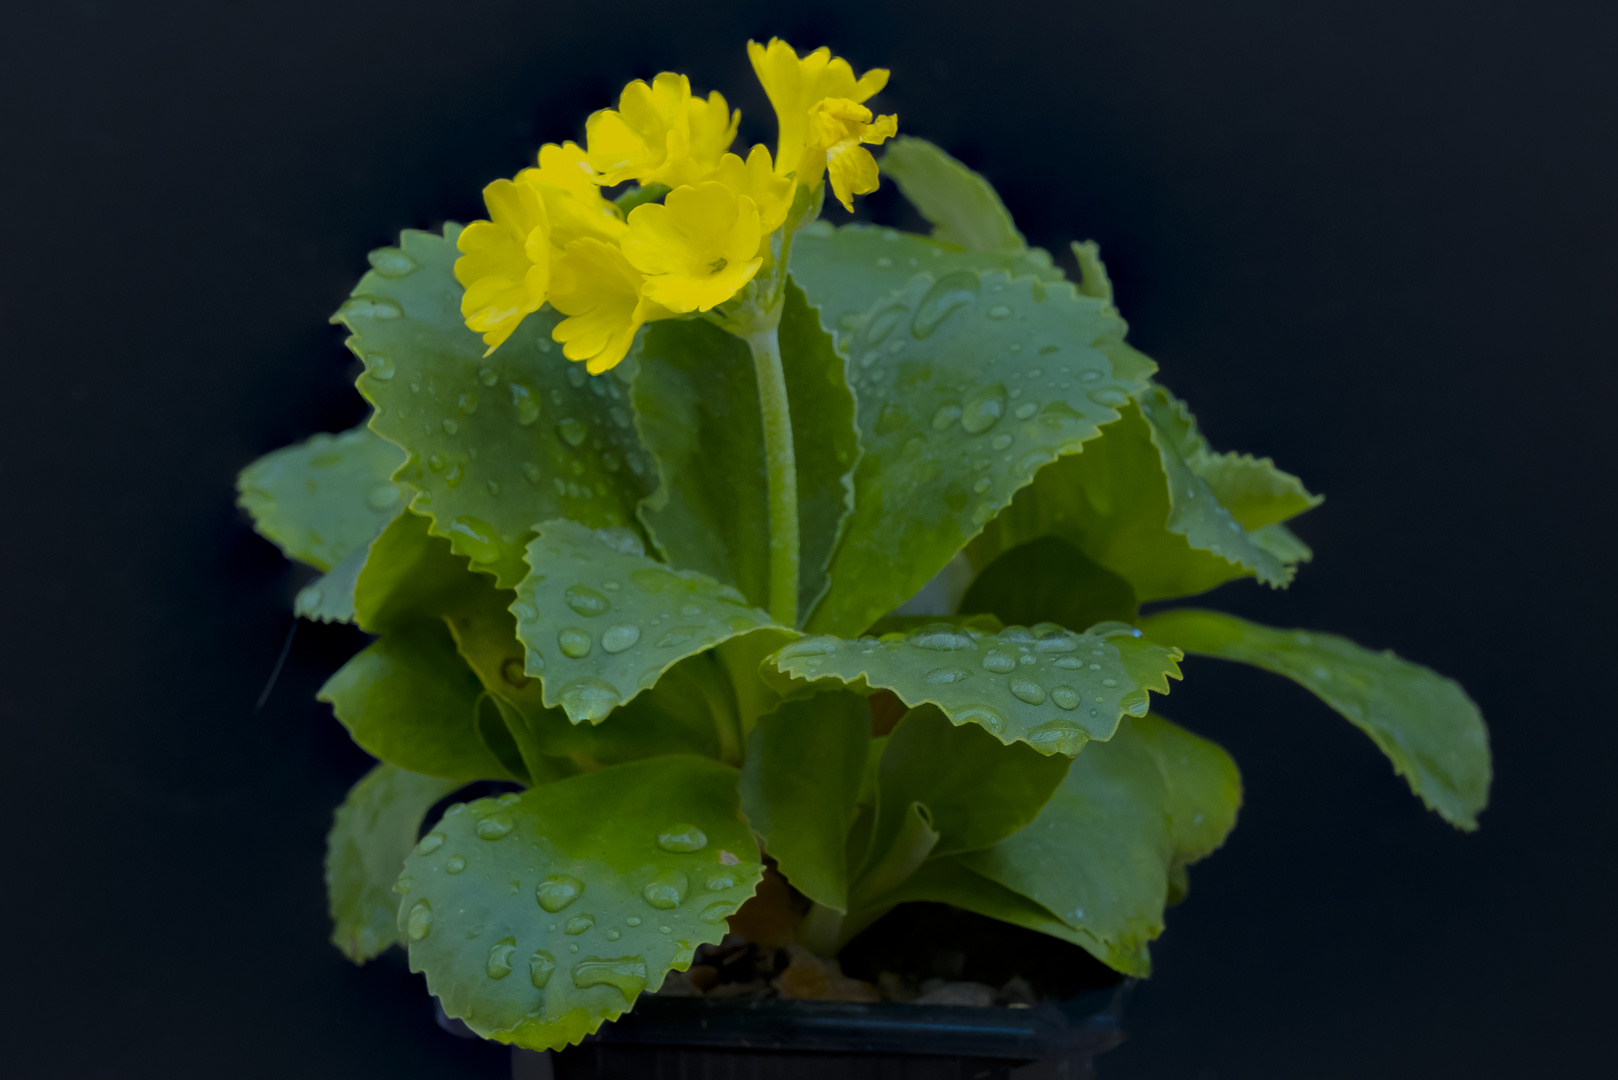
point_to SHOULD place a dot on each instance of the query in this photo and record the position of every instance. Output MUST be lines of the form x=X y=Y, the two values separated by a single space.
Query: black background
x=1374 y=239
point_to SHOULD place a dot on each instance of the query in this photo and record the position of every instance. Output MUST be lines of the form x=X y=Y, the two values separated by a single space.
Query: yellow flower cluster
x=552 y=236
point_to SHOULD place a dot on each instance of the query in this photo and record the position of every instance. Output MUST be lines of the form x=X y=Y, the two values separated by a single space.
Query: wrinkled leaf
x=371 y=834
x=321 y=500
x=1048 y=687
x=844 y=271
x=1100 y=854
x=409 y=699
x=496 y=444
x=1423 y=722
x=697 y=408
x=411 y=575
x=538 y=916
x=963 y=209
x=967 y=385
x=800 y=788
x=601 y=621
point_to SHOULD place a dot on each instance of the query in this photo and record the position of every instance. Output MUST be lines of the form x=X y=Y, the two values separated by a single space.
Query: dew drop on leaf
x=666 y=891
x=420 y=921
x=574 y=641
x=455 y=864
x=588 y=699
x=499 y=963
x=540 y=966
x=615 y=639
x=494 y=826
x=586 y=601
x=1028 y=690
x=1065 y=697
x=558 y=891
x=578 y=924
x=682 y=838
x=430 y=843
x=625 y=974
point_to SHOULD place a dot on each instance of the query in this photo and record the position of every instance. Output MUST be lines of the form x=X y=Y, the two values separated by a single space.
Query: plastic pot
x=774 y=1039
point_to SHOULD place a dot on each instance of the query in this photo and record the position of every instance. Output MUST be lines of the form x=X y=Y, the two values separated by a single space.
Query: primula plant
x=736 y=540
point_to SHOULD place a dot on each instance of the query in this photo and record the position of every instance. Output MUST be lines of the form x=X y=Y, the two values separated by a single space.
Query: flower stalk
x=780 y=468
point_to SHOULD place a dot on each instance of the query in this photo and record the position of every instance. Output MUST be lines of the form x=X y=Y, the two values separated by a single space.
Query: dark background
x=1373 y=239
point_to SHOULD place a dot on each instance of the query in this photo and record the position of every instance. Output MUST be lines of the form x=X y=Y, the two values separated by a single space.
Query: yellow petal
x=600 y=292
x=852 y=171
x=756 y=178
x=793 y=84
x=698 y=248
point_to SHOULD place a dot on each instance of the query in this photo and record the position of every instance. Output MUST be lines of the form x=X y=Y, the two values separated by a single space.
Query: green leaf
x=976 y=791
x=1093 y=279
x=1425 y=723
x=411 y=575
x=499 y=443
x=1048 y=687
x=538 y=916
x=688 y=711
x=322 y=499
x=697 y=407
x=844 y=271
x=330 y=597
x=601 y=621
x=963 y=209
x=1100 y=854
x=1049 y=580
x=1131 y=504
x=371 y=834
x=801 y=785
x=967 y=386
x=947 y=881
x=410 y=700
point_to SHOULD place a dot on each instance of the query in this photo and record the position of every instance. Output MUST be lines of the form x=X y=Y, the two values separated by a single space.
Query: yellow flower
x=697 y=248
x=601 y=292
x=573 y=200
x=505 y=263
x=794 y=85
x=660 y=134
x=756 y=179
x=839 y=130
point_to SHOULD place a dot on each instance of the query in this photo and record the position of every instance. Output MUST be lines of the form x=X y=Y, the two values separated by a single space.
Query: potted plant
x=785 y=582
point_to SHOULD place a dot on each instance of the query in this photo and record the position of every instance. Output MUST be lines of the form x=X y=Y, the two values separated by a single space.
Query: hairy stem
x=781 y=473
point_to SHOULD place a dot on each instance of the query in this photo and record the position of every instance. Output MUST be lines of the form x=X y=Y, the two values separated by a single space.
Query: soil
x=923 y=954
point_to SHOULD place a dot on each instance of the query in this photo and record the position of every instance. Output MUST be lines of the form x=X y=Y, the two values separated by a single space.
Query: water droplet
x=664 y=929
x=578 y=924
x=575 y=641
x=677 y=636
x=1001 y=441
x=1108 y=395
x=1058 y=413
x=941 y=637
x=369 y=307
x=586 y=601
x=1028 y=690
x=419 y=923
x=682 y=838
x=665 y=891
x=588 y=699
x=436 y=462
x=981 y=484
x=390 y=262
x=474 y=538
x=450 y=427
x=884 y=263
x=986 y=715
x=309 y=598
x=493 y=486
x=379 y=366
x=468 y=404
x=627 y=975
x=573 y=432
x=719 y=880
x=948 y=295
x=402 y=886
x=1109 y=682
x=999 y=311
x=982 y=514
x=494 y=826
x=947 y=676
x=499 y=964
x=983 y=408
x=717 y=912
x=1065 y=697
x=621 y=539
x=998 y=661
x=1056 y=641
x=633 y=920
x=808 y=647
x=1058 y=737
x=430 y=843
x=558 y=891
x=383 y=497
x=614 y=934
x=615 y=639
x=453 y=477
x=540 y=966
x=455 y=864
x=891 y=419
x=945 y=417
